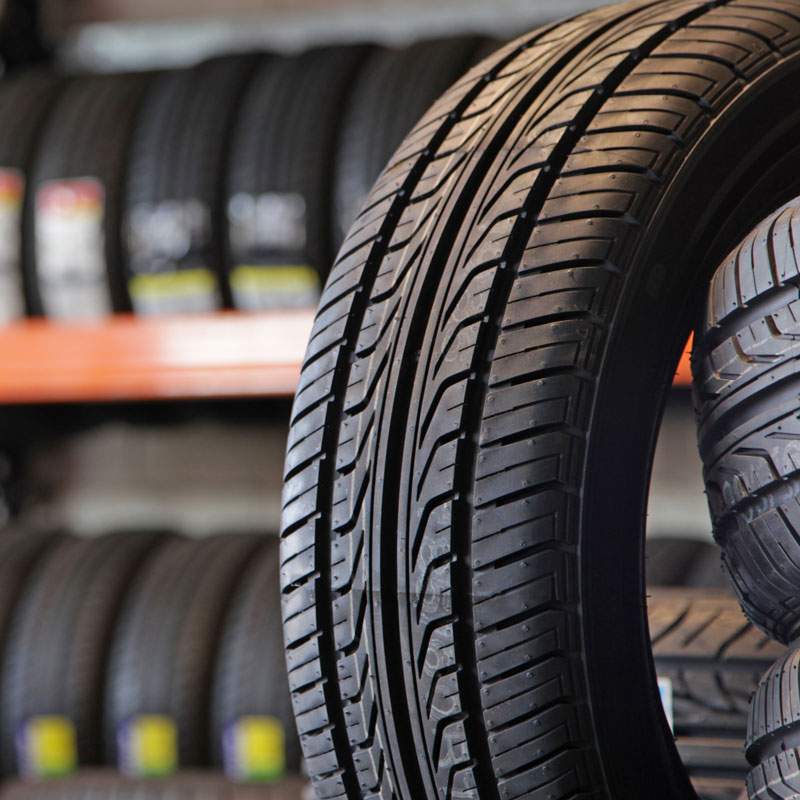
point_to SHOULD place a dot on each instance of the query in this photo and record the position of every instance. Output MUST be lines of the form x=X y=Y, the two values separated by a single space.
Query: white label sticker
x=268 y=236
x=167 y=245
x=267 y=223
x=665 y=690
x=12 y=190
x=70 y=249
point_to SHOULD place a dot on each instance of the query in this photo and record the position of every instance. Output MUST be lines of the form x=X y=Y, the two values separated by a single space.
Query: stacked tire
x=146 y=653
x=229 y=183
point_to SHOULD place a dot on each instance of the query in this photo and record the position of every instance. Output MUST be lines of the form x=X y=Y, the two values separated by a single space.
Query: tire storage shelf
x=220 y=355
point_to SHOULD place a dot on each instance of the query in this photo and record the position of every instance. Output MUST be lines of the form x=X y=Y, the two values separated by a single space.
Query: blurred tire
x=713 y=659
x=20 y=552
x=670 y=559
x=163 y=654
x=392 y=91
x=58 y=646
x=74 y=263
x=280 y=171
x=173 y=226
x=250 y=678
x=25 y=101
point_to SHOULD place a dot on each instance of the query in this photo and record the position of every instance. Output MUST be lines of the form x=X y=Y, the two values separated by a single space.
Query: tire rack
x=222 y=355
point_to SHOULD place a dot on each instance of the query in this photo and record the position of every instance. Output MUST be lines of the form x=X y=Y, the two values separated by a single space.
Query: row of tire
x=143 y=651
x=228 y=183
x=189 y=785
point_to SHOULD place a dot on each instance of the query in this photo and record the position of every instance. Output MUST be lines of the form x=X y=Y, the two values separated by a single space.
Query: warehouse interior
x=176 y=180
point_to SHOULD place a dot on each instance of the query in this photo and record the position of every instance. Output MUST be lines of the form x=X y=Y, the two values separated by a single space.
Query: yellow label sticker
x=273 y=277
x=255 y=749
x=47 y=747
x=149 y=746
x=172 y=284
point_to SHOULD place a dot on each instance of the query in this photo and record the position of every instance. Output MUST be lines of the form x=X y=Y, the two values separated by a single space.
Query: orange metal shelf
x=228 y=354
x=220 y=355
x=683 y=375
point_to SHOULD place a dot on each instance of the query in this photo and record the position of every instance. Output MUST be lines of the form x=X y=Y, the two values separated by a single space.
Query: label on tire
x=148 y=746
x=268 y=235
x=167 y=246
x=254 y=749
x=12 y=191
x=46 y=747
x=70 y=249
x=665 y=691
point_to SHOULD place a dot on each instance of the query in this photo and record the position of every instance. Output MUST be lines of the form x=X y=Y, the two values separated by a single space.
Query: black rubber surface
x=174 y=194
x=394 y=88
x=773 y=738
x=250 y=676
x=189 y=785
x=57 y=652
x=25 y=100
x=163 y=654
x=282 y=152
x=20 y=552
x=746 y=383
x=474 y=426
x=86 y=137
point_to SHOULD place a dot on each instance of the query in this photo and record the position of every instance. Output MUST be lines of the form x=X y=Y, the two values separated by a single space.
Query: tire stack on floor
x=709 y=660
x=228 y=184
x=147 y=655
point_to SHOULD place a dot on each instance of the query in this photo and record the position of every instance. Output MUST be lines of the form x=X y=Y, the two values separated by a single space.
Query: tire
x=76 y=188
x=25 y=101
x=490 y=357
x=772 y=746
x=109 y=785
x=707 y=571
x=393 y=90
x=173 y=229
x=713 y=659
x=670 y=559
x=56 y=657
x=720 y=789
x=163 y=653
x=745 y=376
x=279 y=193
x=251 y=647
x=20 y=552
